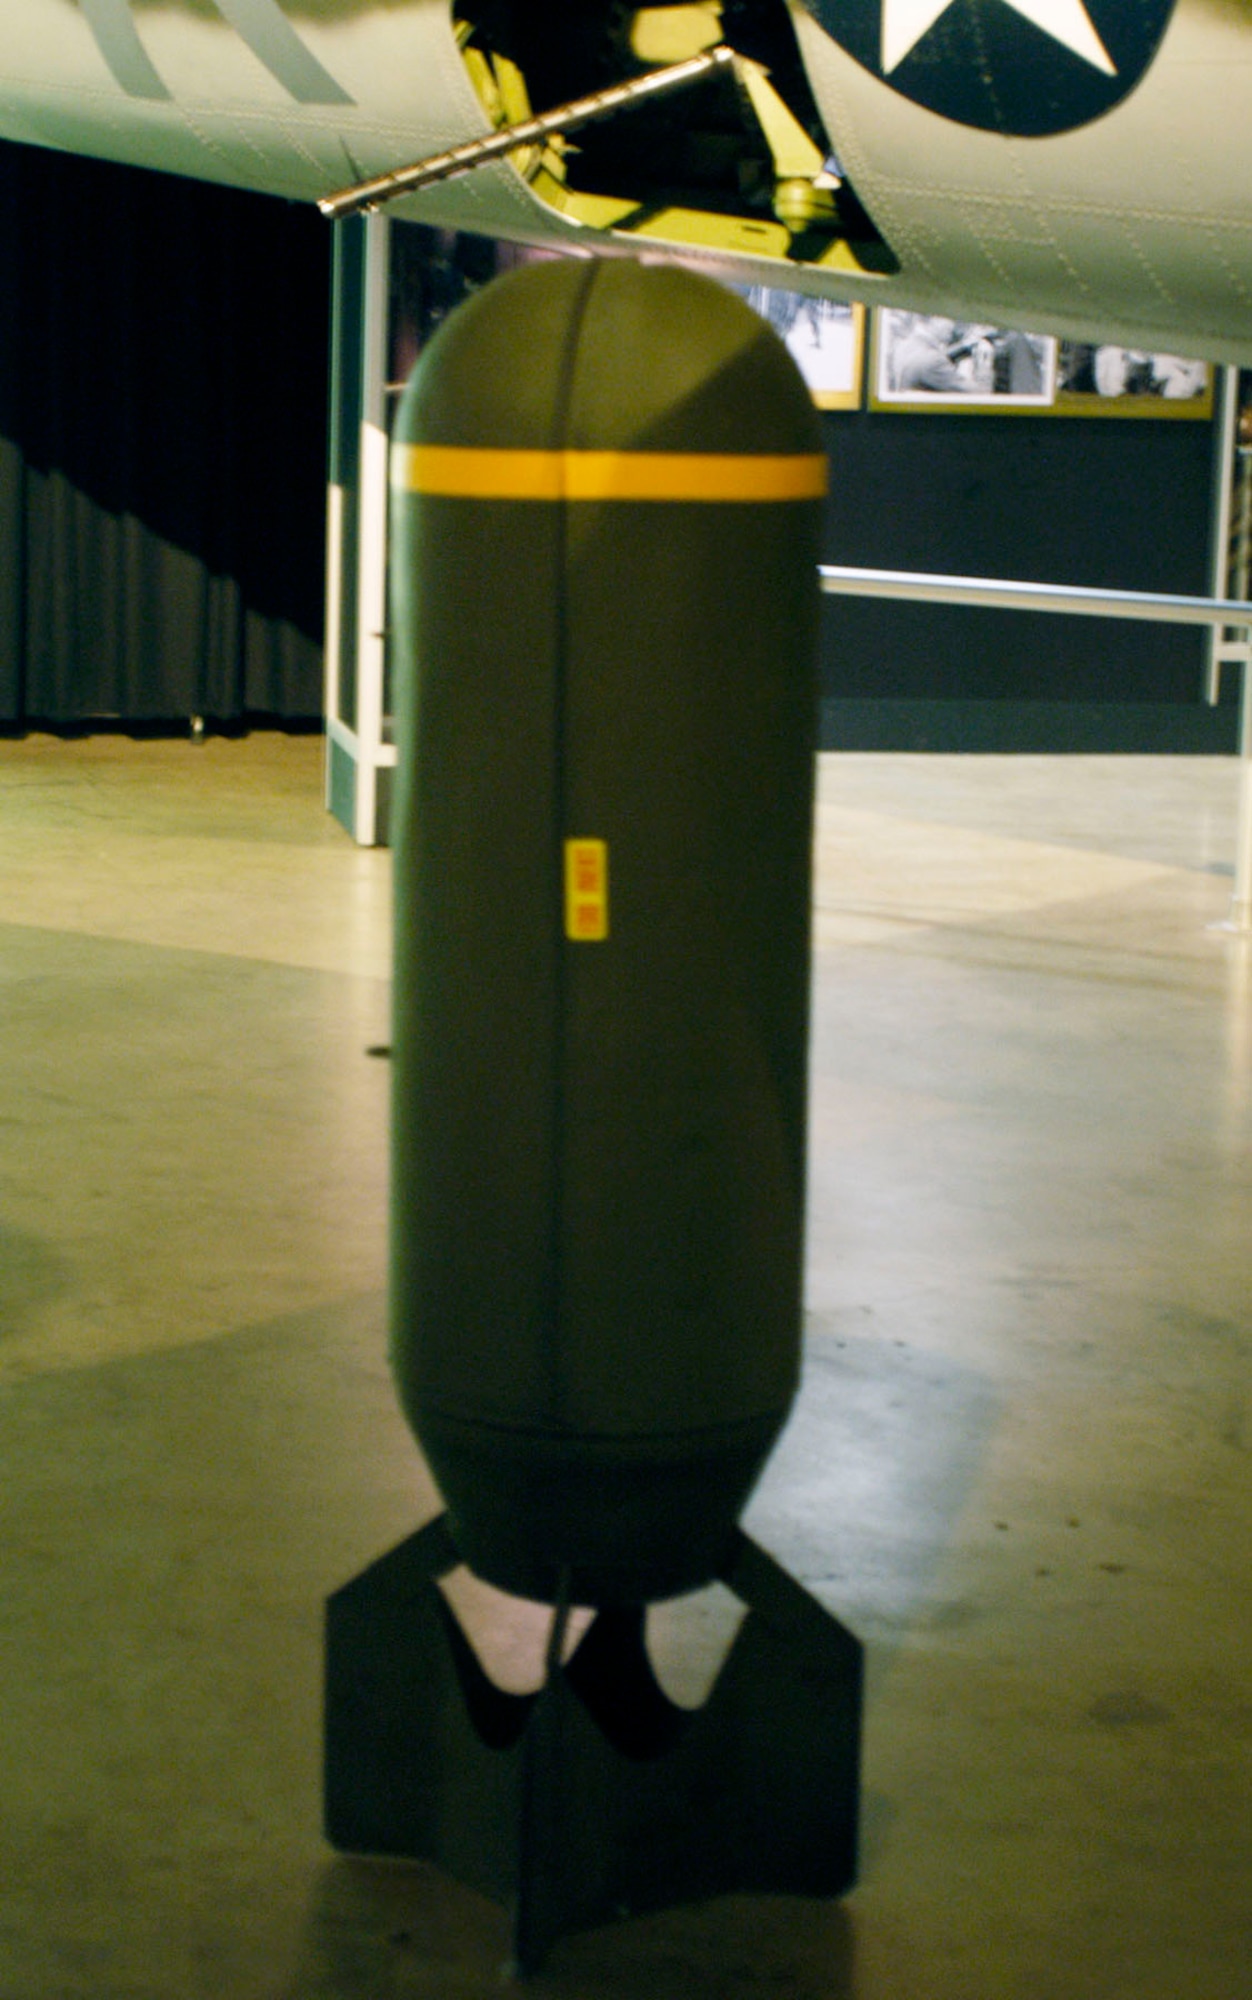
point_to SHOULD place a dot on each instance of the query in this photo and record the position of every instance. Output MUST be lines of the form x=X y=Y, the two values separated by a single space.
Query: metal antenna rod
x=530 y=132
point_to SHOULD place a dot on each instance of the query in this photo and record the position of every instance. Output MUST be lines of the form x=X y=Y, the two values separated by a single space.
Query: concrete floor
x=1019 y=1467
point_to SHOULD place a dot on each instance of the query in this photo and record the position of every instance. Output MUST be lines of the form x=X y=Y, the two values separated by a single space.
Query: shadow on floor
x=397 y=1931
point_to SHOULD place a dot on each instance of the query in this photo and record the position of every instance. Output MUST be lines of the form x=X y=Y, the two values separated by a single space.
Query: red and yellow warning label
x=586 y=891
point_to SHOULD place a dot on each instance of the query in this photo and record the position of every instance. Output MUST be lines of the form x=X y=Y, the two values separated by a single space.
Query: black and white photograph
x=926 y=360
x=1107 y=381
x=824 y=338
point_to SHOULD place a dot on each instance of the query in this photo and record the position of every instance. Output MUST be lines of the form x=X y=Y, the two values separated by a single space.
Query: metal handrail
x=998 y=593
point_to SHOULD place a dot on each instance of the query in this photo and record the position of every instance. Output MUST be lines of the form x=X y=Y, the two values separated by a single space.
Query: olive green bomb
x=606 y=498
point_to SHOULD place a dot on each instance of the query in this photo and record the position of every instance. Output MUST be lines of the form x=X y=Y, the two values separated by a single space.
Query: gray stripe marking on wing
x=272 y=39
x=118 y=42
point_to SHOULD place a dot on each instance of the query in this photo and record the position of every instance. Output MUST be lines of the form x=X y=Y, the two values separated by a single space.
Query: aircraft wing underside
x=1022 y=161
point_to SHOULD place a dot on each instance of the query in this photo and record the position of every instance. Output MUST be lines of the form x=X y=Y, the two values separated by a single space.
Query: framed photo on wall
x=926 y=361
x=1109 y=381
x=826 y=340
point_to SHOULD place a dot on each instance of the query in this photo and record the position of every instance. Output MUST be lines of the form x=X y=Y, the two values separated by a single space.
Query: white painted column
x=371 y=607
x=1223 y=651
x=356 y=522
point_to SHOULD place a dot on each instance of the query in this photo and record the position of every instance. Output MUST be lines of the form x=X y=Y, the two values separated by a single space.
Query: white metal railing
x=1149 y=606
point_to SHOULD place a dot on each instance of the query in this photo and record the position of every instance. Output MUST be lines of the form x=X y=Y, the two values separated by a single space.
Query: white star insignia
x=904 y=22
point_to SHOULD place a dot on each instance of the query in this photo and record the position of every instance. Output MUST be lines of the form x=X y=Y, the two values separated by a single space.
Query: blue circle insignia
x=1025 y=68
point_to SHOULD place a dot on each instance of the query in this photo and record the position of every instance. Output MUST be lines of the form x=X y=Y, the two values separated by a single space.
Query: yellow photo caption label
x=586 y=891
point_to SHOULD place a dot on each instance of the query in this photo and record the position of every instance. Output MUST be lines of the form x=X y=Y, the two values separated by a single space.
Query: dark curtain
x=163 y=372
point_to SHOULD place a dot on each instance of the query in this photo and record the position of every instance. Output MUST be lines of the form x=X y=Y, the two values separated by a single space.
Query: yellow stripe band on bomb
x=472 y=472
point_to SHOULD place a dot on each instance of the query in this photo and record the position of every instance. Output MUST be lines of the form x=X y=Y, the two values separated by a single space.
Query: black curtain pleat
x=163 y=370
